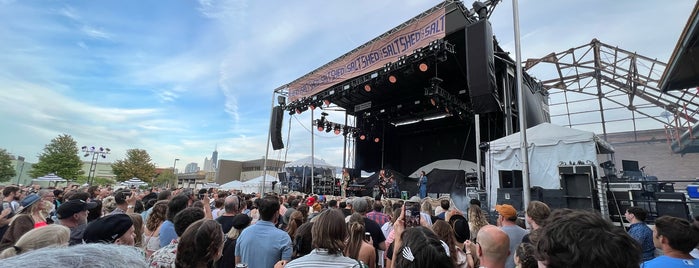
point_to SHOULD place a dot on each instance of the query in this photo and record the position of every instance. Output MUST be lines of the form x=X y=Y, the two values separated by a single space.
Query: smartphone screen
x=367 y=236
x=412 y=214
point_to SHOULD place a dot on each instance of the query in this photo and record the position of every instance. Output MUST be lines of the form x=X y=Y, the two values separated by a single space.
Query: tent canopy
x=306 y=162
x=549 y=145
x=547 y=134
x=51 y=177
x=231 y=185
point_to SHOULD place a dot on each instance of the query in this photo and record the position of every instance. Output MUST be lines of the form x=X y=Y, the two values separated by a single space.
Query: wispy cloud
x=95 y=33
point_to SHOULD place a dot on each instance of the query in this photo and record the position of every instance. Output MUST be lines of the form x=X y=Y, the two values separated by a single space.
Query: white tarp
x=306 y=162
x=51 y=177
x=548 y=145
x=254 y=185
x=237 y=185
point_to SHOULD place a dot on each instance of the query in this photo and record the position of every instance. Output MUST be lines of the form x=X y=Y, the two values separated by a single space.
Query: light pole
x=20 y=158
x=96 y=153
x=174 y=169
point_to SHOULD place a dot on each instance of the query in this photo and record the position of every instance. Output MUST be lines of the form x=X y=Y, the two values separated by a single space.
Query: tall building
x=207 y=165
x=214 y=160
x=191 y=168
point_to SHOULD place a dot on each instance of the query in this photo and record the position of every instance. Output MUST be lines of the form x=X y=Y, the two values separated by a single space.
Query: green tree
x=137 y=164
x=167 y=177
x=59 y=157
x=7 y=171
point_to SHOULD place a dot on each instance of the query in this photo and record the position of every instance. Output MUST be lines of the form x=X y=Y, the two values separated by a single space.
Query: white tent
x=134 y=182
x=306 y=162
x=548 y=145
x=254 y=185
x=51 y=177
x=237 y=185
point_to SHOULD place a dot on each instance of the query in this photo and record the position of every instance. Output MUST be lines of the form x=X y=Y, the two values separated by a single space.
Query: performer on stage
x=383 y=183
x=345 y=182
x=423 y=184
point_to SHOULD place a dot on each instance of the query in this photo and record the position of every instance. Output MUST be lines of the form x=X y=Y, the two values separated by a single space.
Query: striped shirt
x=320 y=258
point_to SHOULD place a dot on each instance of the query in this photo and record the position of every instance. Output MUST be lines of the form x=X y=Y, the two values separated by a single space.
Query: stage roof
x=683 y=67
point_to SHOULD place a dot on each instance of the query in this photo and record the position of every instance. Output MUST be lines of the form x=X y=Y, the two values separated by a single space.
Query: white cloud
x=94 y=32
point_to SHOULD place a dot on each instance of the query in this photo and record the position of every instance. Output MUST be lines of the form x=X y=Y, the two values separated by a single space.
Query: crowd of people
x=104 y=227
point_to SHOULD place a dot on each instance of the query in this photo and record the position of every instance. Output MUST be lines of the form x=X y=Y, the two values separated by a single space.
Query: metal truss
x=608 y=81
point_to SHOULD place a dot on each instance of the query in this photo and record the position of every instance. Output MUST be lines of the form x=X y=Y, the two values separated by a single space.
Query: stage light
x=86 y=155
x=345 y=131
x=84 y=147
x=362 y=137
x=423 y=67
x=312 y=106
x=298 y=111
x=328 y=127
x=393 y=79
x=327 y=102
x=434 y=101
x=376 y=140
x=320 y=128
x=367 y=88
x=291 y=112
x=337 y=130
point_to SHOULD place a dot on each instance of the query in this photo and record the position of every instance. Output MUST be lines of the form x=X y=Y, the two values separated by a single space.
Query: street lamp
x=174 y=169
x=96 y=154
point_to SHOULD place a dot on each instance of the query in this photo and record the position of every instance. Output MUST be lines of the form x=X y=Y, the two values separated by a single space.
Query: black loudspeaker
x=275 y=128
x=554 y=198
x=618 y=203
x=511 y=196
x=480 y=67
x=579 y=192
x=510 y=178
x=672 y=204
x=282 y=177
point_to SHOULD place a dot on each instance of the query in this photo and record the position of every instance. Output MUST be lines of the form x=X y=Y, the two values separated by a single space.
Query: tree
x=7 y=171
x=167 y=177
x=137 y=164
x=59 y=157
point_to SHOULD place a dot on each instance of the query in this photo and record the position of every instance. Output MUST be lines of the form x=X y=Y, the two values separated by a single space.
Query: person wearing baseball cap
x=112 y=229
x=507 y=221
x=73 y=214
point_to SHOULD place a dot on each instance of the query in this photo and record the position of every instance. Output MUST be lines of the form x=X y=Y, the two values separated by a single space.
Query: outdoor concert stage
x=414 y=92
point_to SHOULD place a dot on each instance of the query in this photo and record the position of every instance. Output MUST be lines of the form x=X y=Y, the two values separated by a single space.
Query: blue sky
x=178 y=78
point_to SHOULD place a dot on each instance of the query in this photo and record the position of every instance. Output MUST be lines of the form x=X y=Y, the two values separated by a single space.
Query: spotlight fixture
x=337 y=130
x=377 y=140
x=367 y=88
x=320 y=128
x=423 y=67
x=327 y=102
x=328 y=127
x=345 y=131
x=362 y=137
x=298 y=111
x=393 y=79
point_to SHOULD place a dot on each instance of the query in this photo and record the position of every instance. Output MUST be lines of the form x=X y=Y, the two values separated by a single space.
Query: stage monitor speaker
x=554 y=198
x=282 y=177
x=510 y=178
x=511 y=196
x=618 y=203
x=577 y=185
x=480 y=67
x=672 y=204
x=275 y=128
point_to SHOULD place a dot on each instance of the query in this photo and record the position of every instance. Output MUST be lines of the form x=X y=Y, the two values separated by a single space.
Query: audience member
x=167 y=229
x=419 y=247
x=158 y=215
x=137 y=228
x=358 y=246
x=200 y=245
x=444 y=204
x=262 y=244
x=50 y=236
x=303 y=241
x=80 y=256
x=524 y=256
x=165 y=256
x=115 y=228
x=240 y=222
x=360 y=205
x=329 y=233
x=507 y=218
x=640 y=231
x=9 y=193
x=536 y=215
x=445 y=233
x=295 y=220
x=493 y=247
x=579 y=238
x=28 y=217
x=73 y=214
x=676 y=237
x=377 y=214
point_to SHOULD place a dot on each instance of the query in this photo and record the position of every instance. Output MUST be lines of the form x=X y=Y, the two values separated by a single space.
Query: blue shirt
x=669 y=262
x=167 y=233
x=644 y=235
x=262 y=245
